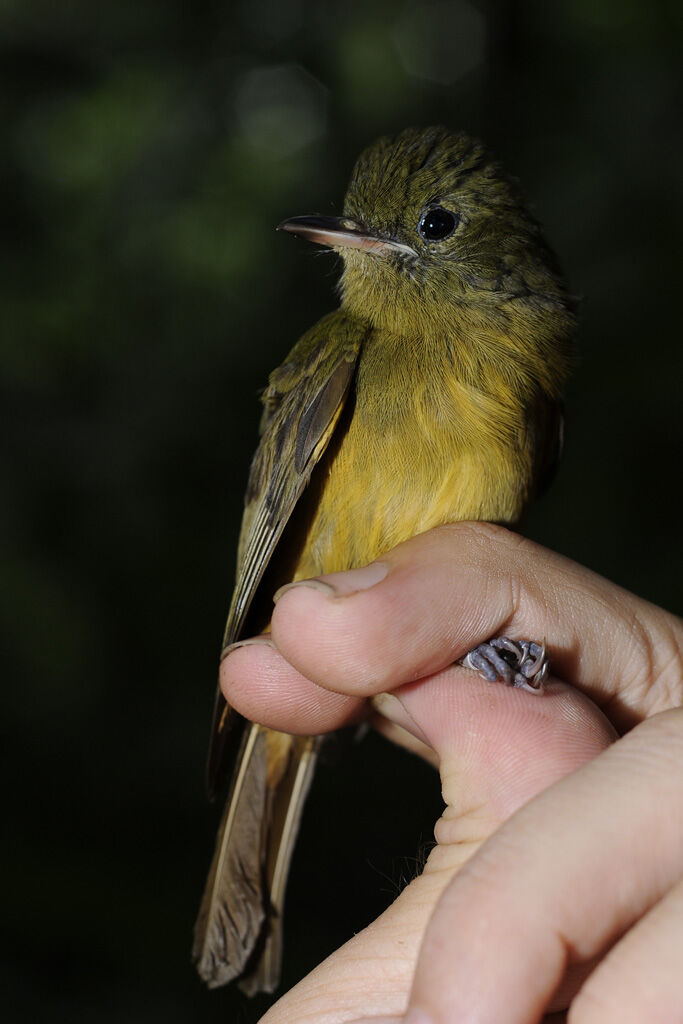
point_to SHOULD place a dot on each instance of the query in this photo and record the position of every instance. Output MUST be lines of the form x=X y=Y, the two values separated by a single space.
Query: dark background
x=149 y=147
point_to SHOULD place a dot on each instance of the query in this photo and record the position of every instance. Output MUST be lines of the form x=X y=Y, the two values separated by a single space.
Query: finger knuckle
x=515 y=576
x=665 y=650
x=478 y=536
x=490 y=546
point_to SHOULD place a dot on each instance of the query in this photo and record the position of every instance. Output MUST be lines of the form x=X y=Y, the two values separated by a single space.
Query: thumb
x=496 y=748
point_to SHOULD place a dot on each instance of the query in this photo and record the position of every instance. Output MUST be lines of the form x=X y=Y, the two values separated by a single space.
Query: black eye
x=437 y=224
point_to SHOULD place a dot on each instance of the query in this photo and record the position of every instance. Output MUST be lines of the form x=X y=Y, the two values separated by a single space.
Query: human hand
x=553 y=890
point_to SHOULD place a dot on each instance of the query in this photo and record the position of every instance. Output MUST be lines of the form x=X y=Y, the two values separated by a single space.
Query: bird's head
x=435 y=235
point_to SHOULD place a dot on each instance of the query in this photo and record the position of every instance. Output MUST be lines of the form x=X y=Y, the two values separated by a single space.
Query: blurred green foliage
x=149 y=149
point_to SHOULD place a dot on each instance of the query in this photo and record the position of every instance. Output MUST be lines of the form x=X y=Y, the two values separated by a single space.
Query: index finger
x=429 y=601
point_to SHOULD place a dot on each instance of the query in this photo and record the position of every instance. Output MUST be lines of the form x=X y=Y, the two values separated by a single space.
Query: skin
x=588 y=917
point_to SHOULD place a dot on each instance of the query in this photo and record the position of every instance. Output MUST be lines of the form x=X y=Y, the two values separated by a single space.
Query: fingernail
x=253 y=641
x=387 y=705
x=341 y=584
x=314 y=584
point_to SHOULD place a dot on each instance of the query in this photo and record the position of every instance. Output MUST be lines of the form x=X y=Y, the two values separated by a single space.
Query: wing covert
x=302 y=403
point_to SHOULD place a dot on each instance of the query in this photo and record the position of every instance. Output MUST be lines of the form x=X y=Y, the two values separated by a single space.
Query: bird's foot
x=520 y=663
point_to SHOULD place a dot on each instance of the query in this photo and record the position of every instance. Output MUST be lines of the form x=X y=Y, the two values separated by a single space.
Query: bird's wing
x=302 y=404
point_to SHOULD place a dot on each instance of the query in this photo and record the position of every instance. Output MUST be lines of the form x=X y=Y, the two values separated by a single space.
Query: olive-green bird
x=431 y=395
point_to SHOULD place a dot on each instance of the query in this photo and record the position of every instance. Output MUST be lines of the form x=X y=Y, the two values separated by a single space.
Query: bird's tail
x=239 y=926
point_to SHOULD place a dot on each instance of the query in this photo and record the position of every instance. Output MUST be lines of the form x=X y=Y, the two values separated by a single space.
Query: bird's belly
x=376 y=488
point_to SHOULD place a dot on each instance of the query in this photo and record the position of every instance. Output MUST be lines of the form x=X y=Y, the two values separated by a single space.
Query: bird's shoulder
x=332 y=341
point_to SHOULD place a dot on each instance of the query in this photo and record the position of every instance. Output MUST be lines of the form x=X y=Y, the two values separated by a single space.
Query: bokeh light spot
x=440 y=42
x=281 y=109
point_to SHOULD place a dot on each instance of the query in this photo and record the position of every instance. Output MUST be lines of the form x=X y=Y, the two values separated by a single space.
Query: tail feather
x=239 y=926
x=232 y=910
x=287 y=807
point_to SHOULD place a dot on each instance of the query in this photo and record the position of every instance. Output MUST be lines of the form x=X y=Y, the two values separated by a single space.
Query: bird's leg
x=520 y=663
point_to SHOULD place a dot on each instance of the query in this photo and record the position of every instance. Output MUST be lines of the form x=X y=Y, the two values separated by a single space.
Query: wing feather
x=302 y=403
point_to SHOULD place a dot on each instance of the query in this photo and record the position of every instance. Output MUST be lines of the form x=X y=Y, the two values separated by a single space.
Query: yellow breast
x=427 y=438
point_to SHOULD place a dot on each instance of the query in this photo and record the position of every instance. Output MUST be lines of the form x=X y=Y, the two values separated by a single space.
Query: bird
x=432 y=394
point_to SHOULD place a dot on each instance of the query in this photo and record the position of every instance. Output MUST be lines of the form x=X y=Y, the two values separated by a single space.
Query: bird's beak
x=342 y=233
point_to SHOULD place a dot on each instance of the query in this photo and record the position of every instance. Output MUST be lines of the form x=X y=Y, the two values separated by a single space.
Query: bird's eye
x=437 y=224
